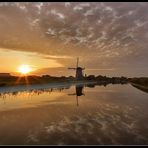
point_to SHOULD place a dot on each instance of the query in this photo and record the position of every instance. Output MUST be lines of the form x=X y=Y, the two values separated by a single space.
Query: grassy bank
x=143 y=81
x=141 y=87
x=140 y=83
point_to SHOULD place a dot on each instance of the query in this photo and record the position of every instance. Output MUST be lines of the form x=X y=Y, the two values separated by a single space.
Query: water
x=66 y=114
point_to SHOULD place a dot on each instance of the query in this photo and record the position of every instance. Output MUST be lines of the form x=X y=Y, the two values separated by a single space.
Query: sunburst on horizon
x=24 y=69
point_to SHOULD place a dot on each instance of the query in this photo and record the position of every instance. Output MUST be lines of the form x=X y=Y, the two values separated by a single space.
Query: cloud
x=101 y=30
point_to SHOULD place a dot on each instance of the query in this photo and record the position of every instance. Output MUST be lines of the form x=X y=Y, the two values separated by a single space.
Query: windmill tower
x=79 y=71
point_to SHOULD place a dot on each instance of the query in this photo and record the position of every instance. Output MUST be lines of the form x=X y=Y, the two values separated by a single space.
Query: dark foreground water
x=115 y=114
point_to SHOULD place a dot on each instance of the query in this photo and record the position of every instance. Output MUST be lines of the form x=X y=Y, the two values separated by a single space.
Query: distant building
x=5 y=75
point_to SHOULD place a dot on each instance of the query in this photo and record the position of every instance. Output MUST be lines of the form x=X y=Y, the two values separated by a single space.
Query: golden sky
x=13 y=59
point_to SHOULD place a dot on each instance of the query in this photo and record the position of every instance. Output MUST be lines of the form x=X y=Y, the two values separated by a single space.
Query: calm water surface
x=115 y=114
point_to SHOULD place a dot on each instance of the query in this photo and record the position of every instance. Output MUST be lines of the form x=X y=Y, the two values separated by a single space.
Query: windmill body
x=79 y=71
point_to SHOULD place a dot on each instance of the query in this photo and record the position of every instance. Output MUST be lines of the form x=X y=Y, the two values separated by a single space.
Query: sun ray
x=26 y=80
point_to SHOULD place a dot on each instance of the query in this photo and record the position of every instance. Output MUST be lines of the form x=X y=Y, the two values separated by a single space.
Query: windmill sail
x=77 y=62
x=71 y=68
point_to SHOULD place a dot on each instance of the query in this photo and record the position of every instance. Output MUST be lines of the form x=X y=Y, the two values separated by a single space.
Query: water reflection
x=114 y=114
x=79 y=92
x=33 y=90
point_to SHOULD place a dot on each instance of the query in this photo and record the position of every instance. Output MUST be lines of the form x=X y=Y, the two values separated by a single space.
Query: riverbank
x=46 y=79
x=141 y=87
x=140 y=83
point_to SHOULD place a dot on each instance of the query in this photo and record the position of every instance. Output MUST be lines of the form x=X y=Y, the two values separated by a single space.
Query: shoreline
x=140 y=87
x=13 y=88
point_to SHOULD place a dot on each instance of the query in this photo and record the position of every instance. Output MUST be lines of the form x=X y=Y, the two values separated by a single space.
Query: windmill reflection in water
x=79 y=92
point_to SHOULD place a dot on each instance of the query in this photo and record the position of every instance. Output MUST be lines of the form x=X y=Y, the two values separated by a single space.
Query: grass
x=140 y=83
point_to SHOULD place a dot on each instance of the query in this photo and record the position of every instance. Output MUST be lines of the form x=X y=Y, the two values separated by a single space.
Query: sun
x=24 y=69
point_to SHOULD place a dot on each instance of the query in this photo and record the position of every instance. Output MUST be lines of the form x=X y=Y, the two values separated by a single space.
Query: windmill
x=79 y=71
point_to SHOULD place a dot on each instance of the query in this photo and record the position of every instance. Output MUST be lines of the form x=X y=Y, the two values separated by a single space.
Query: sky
x=109 y=38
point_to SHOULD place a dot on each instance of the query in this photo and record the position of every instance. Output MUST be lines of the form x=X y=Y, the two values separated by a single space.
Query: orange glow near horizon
x=36 y=63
